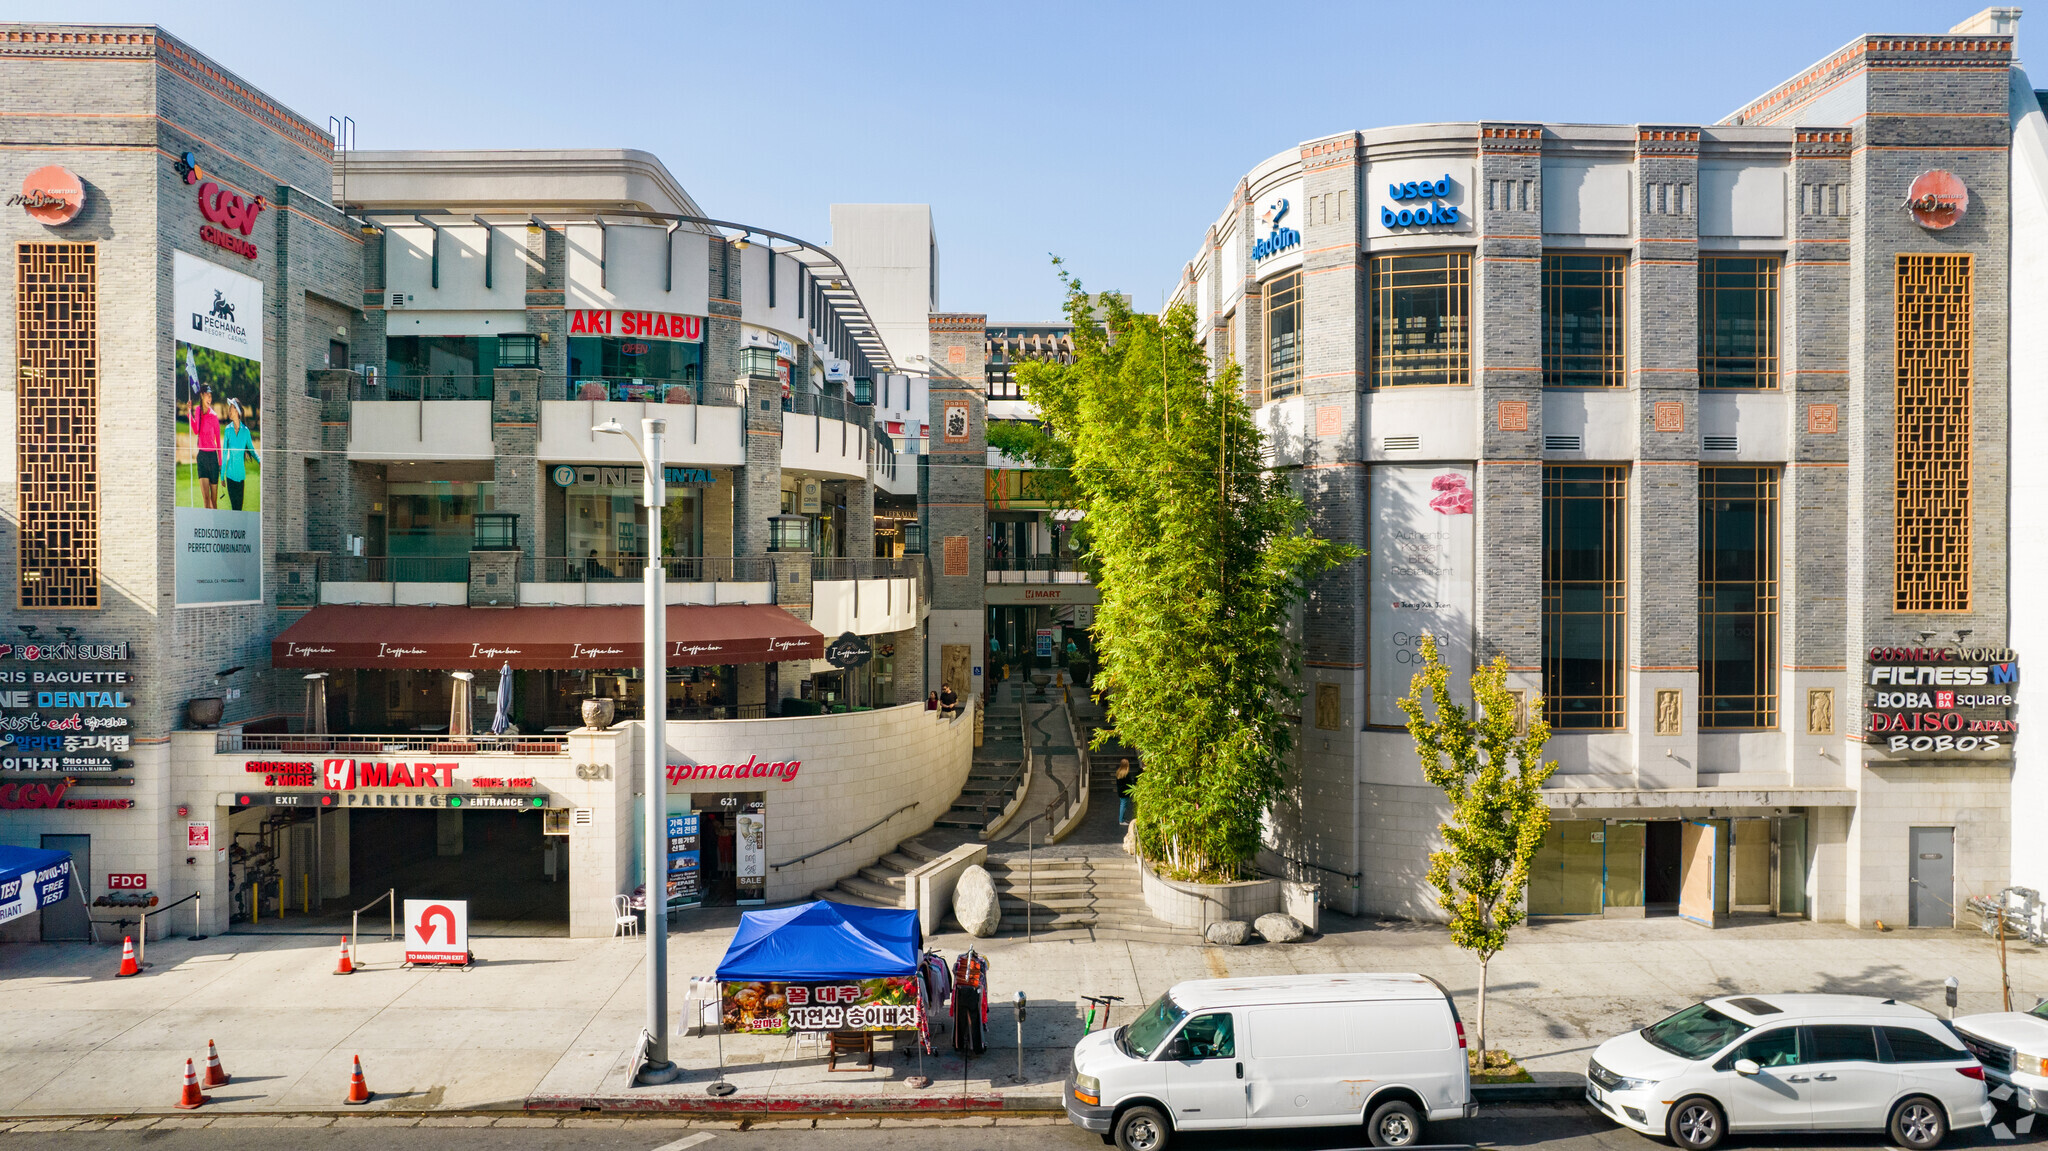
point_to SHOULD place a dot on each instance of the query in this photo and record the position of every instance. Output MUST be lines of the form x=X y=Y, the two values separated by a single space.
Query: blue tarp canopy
x=32 y=879
x=822 y=942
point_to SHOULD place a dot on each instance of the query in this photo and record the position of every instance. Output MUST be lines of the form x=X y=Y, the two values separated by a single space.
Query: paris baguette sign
x=1944 y=703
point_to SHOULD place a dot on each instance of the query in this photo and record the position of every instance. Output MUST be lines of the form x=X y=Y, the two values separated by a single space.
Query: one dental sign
x=1420 y=203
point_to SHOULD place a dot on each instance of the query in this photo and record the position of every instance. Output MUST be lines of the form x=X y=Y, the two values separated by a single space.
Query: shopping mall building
x=1703 y=430
x=308 y=467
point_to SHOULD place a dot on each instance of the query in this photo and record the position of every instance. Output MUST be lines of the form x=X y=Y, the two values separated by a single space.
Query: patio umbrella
x=503 y=720
x=458 y=703
x=316 y=703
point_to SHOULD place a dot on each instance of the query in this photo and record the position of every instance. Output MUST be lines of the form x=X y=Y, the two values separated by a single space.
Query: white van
x=1386 y=1051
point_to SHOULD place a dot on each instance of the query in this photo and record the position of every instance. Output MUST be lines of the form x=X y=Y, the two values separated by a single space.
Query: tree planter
x=597 y=712
x=1197 y=905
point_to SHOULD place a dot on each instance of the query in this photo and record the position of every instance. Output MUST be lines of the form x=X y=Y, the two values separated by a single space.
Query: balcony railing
x=805 y=402
x=442 y=387
x=628 y=390
x=631 y=569
x=396 y=569
x=235 y=743
x=1003 y=568
x=873 y=567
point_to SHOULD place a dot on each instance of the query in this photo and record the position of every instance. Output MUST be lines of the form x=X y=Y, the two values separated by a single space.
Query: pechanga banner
x=217 y=330
x=887 y=1004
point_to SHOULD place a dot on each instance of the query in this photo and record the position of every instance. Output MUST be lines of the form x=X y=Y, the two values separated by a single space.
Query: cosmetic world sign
x=1941 y=703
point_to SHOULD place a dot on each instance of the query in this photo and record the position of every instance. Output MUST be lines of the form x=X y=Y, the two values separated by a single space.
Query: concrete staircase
x=1099 y=895
x=992 y=780
x=880 y=884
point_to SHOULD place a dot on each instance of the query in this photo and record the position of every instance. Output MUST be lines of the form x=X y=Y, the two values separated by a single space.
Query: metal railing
x=442 y=387
x=847 y=840
x=1033 y=569
x=631 y=569
x=396 y=569
x=864 y=567
x=808 y=403
x=635 y=390
x=235 y=742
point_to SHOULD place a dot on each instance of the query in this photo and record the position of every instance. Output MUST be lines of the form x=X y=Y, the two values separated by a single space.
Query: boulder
x=975 y=904
x=1228 y=932
x=1277 y=927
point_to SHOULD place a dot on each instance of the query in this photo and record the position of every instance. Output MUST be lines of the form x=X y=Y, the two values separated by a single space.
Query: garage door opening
x=515 y=877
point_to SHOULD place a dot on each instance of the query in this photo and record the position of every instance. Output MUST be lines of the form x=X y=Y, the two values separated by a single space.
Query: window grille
x=1738 y=597
x=1585 y=594
x=57 y=414
x=1932 y=434
x=1583 y=343
x=1421 y=319
x=1739 y=321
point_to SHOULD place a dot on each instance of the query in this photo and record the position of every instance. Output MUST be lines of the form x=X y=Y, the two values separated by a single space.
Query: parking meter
x=1949 y=993
x=1018 y=1003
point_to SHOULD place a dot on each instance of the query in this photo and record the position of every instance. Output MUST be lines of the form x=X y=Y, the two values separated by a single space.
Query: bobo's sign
x=888 y=1004
x=1941 y=702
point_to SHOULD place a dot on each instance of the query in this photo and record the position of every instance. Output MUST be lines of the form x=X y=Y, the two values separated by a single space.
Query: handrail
x=356 y=921
x=847 y=840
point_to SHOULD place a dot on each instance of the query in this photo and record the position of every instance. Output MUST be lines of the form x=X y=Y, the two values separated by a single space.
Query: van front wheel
x=1142 y=1129
x=1394 y=1124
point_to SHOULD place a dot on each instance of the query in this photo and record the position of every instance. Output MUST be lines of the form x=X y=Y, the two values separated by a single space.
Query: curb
x=1529 y=1092
x=796 y=1105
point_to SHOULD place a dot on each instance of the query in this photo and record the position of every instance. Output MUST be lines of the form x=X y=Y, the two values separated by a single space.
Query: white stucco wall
x=2028 y=397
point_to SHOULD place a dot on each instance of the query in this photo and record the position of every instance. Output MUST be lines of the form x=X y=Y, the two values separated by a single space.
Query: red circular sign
x=52 y=195
x=1937 y=199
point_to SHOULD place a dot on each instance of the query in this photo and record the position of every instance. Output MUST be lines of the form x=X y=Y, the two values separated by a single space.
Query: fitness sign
x=1941 y=702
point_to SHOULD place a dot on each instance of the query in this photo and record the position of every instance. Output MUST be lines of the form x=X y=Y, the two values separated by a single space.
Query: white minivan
x=1385 y=1051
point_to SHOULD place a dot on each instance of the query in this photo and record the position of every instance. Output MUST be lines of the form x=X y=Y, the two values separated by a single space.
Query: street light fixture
x=654 y=671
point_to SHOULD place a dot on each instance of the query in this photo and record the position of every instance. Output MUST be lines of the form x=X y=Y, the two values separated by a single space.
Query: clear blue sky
x=1108 y=132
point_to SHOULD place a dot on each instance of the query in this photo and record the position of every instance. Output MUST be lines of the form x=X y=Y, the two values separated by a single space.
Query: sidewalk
x=548 y=1024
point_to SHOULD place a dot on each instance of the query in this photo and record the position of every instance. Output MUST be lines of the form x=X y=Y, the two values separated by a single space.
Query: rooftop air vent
x=1561 y=444
x=1718 y=443
x=1401 y=444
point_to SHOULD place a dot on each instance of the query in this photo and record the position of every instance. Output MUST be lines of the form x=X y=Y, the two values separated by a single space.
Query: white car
x=1790 y=1063
x=1384 y=1051
x=2013 y=1047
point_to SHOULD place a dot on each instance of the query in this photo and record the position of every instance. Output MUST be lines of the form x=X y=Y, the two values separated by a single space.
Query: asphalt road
x=1564 y=1127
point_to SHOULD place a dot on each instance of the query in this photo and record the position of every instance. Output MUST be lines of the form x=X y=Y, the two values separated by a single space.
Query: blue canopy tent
x=822 y=942
x=32 y=879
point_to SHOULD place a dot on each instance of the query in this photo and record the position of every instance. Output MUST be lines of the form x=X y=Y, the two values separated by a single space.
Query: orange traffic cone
x=128 y=964
x=346 y=966
x=358 y=1091
x=216 y=1075
x=190 y=1097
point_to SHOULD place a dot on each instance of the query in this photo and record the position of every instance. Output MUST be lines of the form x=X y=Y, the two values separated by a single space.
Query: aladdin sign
x=1278 y=239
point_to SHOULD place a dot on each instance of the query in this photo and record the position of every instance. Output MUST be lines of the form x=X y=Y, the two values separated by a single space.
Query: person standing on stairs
x=1126 y=807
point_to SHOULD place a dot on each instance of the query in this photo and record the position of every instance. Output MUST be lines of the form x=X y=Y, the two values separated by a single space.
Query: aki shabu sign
x=888 y=1004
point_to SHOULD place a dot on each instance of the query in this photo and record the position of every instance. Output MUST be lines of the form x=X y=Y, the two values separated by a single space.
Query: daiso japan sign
x=654 y=325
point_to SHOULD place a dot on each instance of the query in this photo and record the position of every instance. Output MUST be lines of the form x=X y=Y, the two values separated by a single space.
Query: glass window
x=606 y=527
x=1694 y=1033
x=431 y=527
x=1911 y=1045
x=1144 y=1034
x=1838 y=1043
x=1582 y=331
x=1209 y=1037
x=440 y=367
x=1738 y=597
x=1421 y=319
x=1585 y=586
x=632 y=369
x=1775 y=1048
x=1283 y=335
x=1739 y=321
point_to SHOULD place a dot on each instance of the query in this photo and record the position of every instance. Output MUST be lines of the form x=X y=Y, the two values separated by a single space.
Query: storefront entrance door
x=734 y=838
x=1932 y=876
x=1696 y=883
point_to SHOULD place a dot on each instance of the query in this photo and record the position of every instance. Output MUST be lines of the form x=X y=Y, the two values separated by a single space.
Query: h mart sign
x=349 y=774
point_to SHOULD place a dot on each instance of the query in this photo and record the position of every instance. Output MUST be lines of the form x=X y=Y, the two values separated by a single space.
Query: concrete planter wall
x=1196 y=905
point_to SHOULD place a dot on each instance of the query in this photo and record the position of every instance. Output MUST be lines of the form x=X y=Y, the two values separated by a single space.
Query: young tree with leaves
x=1492 y=774
x=1201 y=556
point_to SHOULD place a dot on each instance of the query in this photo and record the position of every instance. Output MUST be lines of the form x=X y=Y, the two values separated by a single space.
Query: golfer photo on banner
x=217 y=322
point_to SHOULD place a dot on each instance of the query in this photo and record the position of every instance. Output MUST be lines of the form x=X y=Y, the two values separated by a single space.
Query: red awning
x=455 y=638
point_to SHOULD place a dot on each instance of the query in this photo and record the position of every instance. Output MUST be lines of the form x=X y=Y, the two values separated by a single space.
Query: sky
x=1105 y=132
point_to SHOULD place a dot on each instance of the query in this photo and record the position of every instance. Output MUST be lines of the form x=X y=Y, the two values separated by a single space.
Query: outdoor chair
x=624 y=922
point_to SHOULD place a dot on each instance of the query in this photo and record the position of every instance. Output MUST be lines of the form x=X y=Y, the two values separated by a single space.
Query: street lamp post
x=654 y=671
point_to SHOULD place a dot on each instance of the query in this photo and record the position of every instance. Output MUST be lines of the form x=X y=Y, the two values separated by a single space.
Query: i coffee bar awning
x=537 y=638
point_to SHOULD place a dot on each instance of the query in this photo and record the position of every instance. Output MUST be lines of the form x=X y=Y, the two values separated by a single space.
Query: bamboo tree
x=1201 y=556
x=1492 y=774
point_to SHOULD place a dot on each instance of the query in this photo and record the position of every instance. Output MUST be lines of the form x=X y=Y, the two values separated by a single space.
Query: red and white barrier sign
x=127 y=881
x=437 y=931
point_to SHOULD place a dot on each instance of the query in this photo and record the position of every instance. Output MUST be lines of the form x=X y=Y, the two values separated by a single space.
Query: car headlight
x=2029 y=1064
x=1088 y=1089
x=1624 y=1083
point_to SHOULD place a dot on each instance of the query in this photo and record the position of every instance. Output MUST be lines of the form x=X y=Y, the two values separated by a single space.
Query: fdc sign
x=437 y=931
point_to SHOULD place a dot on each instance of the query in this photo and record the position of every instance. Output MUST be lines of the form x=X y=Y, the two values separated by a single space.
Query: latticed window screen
x=1738 y=597
x=1739 y=321
x=1932 y=430
x=1582 y=321
x=1421 y=319
x=57 y=388
x=1585 y=594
